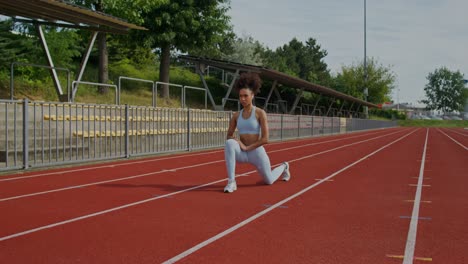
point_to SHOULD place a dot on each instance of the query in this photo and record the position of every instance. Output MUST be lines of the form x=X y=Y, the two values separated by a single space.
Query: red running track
x=350 y=201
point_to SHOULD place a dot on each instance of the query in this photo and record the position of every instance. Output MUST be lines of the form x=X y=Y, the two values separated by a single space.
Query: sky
x=413 y=37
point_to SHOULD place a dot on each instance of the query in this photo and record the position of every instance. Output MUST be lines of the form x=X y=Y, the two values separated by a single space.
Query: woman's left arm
x=264 y=128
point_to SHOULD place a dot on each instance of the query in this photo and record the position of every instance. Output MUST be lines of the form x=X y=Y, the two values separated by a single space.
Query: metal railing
x=153 y=84
x=168 y=84
x=71 y=98
x=197 y=89
x=35 y=134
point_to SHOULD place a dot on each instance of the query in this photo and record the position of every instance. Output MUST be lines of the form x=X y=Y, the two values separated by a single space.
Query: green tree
x=445 y=90
x=245 y=50
x=197 y=27
x=23 y=45
x=14 y=47
x=380 y=82
x=129 y=10
x=301 y=60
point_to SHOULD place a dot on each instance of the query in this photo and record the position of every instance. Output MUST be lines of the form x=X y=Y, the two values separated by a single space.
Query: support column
x=53 y=72
x=271 y=91
x=316 y=103
x=280 y=99
x=296 y=101
x=341 y=108
x=200 y=73
x=350 y=108
x=236 y=75
x=329 y=108
x=84 y=61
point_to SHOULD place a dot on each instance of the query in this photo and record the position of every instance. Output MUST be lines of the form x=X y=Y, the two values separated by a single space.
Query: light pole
x=366 y=91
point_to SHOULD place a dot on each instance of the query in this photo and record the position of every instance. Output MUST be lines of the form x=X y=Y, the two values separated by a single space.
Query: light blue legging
x=256 y=157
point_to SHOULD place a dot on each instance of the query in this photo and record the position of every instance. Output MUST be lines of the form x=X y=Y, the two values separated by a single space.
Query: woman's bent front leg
x=260 y=159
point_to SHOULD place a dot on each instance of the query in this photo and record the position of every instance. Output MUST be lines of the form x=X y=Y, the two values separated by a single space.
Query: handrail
x=233 y=100
x=139 y=80
x=195 y=88
x=74 y=90
x=169 y=84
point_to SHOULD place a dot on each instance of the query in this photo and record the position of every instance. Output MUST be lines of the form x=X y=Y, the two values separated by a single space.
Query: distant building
x=408 y=108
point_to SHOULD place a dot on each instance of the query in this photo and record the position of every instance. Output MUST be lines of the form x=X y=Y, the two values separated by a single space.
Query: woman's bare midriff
x=249 y=139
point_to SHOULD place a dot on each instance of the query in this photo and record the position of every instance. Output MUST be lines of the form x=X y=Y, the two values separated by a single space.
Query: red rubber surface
x=359 y=217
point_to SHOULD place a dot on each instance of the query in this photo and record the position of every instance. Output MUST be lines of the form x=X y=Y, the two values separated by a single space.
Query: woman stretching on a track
x=253 y=134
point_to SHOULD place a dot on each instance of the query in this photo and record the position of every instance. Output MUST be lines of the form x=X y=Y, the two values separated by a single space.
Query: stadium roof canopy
x=277 y=77
x=64 y=14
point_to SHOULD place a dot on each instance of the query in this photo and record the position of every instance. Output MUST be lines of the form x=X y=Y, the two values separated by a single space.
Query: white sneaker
x=286 y=173
x=230 y=187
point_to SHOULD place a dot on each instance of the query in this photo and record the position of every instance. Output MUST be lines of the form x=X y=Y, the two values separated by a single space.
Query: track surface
x=386 y=196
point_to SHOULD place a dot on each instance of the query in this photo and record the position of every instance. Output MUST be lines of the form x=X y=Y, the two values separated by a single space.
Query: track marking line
x=413 y=228
x=325 y=180
x=105 y=166
x=402 y=257
x=456 y=132
x=183 y=191
x=419 y=218
x=105 y=211
x=269 y=205
x=417 y=185
x=163 y=171
x=178 y=156
x=102 y=182
x=261 y=213
x=460 y=144
x=418 y=178
x=412 y=201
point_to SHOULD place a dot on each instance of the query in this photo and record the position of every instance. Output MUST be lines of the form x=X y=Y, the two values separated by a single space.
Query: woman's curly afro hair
x=250 y=81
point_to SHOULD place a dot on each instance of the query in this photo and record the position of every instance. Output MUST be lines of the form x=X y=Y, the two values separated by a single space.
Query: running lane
x=44 y=208
x=455 y=135
x=15 y=185
x=443 y=235
x=154 y=231
x=359 y=217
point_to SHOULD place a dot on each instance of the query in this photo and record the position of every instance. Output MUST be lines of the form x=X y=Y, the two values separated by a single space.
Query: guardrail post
x=127 y=154
x=312 y=126
x=25 y=134
x=281 y=131
x=323 y=125
x=332 y=119
x=12 y=82
x=188 y=130
x=298 y=126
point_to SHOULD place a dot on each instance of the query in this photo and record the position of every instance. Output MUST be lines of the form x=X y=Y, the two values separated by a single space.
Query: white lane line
x=172 y=157
x=104 y=212
x=463 y=146
x=278 y=204
x=413 y=228
x=102 y=182
x=417 y=185
x=155 y=198
x=159 y=172
x=454 y=131
x=105 y=166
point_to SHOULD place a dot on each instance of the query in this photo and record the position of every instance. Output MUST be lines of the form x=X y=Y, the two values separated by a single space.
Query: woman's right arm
x=232 y=126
